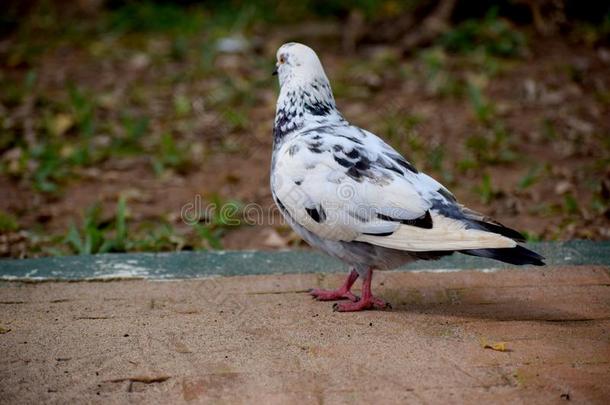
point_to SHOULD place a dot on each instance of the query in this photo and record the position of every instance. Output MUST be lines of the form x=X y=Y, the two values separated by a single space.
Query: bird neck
x=304 y=103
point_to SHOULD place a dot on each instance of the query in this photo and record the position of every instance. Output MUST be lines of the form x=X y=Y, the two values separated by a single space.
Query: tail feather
x=498 y=228
x=446 y=234
x=477 y=220
x=517 y=255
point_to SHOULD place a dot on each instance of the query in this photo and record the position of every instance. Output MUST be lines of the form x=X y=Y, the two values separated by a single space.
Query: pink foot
x=370 y=303
x=341 y=293
x=332 y=295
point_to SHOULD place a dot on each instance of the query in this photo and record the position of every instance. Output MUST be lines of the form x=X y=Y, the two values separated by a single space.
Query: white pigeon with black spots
x=350 y=194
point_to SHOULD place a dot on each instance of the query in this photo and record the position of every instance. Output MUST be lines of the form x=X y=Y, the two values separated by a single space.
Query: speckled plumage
x=348 y=193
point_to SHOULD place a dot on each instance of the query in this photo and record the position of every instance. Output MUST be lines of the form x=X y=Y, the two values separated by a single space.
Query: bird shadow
x=452 y=303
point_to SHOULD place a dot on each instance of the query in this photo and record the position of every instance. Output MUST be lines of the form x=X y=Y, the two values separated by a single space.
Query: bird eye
x=282 y=60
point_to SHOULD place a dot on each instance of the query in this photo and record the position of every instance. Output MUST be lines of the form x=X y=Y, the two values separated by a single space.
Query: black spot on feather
x=293 y=149
x=316 y=215
x=319 y=108
x=353 y=154
x=363 y=164
x=379 y=234
x=396 y=170
x=447 y=209
x=442 y=191
x=399 y=160
x=315 y=147
x=280 y=205
x=354 y=173
x=343 y=162
x=315 y=144
x=425 y=221
x=284 y=124
x=351 y=138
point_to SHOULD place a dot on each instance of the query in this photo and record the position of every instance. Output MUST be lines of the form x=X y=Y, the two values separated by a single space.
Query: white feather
x=446 y=234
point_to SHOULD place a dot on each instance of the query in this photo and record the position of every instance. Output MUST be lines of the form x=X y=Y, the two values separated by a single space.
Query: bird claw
x=363 y=304
x=331 y=295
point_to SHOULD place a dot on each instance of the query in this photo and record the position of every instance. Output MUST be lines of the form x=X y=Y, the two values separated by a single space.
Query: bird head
x=298 y=63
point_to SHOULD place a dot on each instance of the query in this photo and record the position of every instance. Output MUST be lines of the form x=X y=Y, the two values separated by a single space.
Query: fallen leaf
x=497 y=346
x=500 y=347
x=61 y=123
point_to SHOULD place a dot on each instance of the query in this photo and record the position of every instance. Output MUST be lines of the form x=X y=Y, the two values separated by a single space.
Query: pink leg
x=367 y=301
x=341 y=293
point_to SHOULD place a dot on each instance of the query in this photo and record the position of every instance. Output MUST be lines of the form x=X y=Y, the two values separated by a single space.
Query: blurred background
x=146 y=125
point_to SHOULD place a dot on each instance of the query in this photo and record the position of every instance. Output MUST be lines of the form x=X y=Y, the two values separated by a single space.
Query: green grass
x=488 y=147
x=96 y=235
x=221 y=217
x=8 y=223
x=531 y=237
x=487 y=193
x=157 y=237
x=437 y=71
x=153 y=17
x=484 y=110
x=492 y=34
x=483 y=47
x=129 y=141
x=81 y=126
x=50 y=168
x=62 y=139
x=530 y=178
x=77 y=127
x=99 y=234
x=434 y=161
x=570 y=204
x=170 y=155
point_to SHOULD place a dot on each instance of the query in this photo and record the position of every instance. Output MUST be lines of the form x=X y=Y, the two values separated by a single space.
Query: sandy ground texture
x=261 y=338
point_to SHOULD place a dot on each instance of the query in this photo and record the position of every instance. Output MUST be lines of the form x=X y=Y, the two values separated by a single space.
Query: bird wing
x=343 y=183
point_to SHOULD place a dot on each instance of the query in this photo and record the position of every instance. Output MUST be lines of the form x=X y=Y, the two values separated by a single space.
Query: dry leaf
x=497 y=346
x=61 y=123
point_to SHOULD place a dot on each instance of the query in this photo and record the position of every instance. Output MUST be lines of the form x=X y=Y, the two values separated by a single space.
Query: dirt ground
x=511 y=336
x=552 y=104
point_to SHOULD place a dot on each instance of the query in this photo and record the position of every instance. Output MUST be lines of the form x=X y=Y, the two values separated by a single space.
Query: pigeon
x=348 y=193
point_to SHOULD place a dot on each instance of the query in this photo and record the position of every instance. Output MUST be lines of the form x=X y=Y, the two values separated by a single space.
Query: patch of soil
x=559 y=84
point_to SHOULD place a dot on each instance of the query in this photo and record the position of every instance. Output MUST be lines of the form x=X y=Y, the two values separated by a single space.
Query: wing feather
x=446 y=234
x=306 y=181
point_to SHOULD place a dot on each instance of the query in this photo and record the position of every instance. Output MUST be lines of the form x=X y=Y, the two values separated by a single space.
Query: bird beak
x=274 y=72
